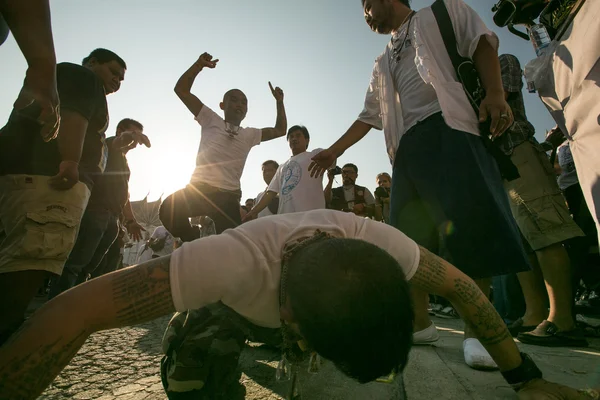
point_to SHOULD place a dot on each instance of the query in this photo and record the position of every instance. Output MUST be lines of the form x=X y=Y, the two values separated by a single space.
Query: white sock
x=476 y=356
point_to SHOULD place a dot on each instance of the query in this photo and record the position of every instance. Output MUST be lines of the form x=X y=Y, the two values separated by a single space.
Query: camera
x=336 y=170
x=382 y=192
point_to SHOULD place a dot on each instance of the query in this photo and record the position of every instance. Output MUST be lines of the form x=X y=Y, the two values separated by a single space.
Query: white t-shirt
x=418 y=99
x=242 y=267
x=298 y=191
x=161 y=233
x=266 y=211
x=222 y=156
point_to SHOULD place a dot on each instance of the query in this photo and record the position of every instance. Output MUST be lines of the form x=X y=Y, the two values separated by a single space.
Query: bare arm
x=184 y=84
x=356 y=132
x=280 y=128
x=71 y=135
x=494 y=105
x=437 y=276
x=29 y=22
x=29 y=362
x=327 y=190
x=261 y=205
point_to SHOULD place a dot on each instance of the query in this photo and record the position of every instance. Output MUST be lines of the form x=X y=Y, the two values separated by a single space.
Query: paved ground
x=123 y=364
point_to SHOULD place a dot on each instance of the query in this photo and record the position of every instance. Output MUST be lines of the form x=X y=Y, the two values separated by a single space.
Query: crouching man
x=324 y=278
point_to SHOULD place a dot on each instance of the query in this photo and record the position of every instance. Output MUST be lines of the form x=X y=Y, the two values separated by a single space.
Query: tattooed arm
x=46 y=342
x=437 y=276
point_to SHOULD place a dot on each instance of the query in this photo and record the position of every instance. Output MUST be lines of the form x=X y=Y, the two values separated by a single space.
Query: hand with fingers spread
x=277 y=92
x=206 y=60
x=40 y=88
x=494 y=106
x=130 y=139
x=135 y=230
x=67 y=177
x=321 y=162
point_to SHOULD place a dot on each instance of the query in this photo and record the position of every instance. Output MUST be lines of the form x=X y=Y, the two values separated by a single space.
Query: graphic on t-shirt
x=291 y=177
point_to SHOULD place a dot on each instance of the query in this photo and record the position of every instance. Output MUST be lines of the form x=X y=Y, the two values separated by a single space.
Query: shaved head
x=232 y=92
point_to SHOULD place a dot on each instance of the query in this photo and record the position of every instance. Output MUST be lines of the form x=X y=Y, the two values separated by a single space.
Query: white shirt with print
x=222 y=155
x=298 y=191
x=241 y=267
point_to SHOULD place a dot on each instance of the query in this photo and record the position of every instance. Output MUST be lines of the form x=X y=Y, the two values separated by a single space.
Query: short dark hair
x=298 y=128
x=271 y=162
x=127 y=122
x=350 y=165
x=250 y=199
x=104 y=56
x=352 y=304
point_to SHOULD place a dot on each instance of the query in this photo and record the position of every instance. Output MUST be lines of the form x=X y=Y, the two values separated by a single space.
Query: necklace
x=397 y=50
x=233 y=130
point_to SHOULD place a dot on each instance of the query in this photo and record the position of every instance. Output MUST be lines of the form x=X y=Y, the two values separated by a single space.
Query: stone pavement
x=123 y=364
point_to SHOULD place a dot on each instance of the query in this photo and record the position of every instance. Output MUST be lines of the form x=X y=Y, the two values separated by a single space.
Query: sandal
x=517 y=327
x=547 y=334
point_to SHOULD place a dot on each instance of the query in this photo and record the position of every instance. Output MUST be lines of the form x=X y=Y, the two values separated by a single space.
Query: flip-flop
x=517 y=327
x=547 y=334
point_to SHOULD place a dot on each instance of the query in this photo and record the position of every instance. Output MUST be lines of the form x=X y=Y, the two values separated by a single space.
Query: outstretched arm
x=261 y=205
x=47 y=341
x=184 y=84
x=280 y=127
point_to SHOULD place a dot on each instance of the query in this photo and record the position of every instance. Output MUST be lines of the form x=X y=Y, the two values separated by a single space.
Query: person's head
x=127 y=125
x=249 y=204
x=234 y=106
x=350 y=301
x=107 y=66
x=384 y=180
x=269 y=168
x=298 y=139
x=385 y=16
x=349 y=174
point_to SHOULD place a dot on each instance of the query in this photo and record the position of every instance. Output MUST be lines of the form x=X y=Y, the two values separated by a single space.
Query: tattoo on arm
x=431 y=274
x=142 y=293
x=484 y=319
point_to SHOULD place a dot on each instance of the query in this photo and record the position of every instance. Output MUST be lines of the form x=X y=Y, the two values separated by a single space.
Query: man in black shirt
x=110 y=198
x=45 y=186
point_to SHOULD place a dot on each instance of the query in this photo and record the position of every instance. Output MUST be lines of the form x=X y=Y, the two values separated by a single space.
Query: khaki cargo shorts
x=536 y=201
x=38 y=225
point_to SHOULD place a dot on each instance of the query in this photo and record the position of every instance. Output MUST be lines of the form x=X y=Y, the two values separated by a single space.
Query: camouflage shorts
x=202 y=348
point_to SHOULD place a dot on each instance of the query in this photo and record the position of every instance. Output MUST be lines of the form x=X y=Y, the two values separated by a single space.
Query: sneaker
x=426 y=336
x=547 y=334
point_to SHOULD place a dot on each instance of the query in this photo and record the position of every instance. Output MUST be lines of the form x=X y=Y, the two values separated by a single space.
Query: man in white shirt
x=447 y=191
x=297 y=190
x=214 y=189
x=269 y=169
x=326 y=281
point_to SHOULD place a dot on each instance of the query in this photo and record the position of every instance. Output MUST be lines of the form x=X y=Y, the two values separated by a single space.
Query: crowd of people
x=473 y=200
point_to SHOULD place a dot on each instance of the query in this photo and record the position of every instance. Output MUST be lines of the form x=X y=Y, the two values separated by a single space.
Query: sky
x=320 y=52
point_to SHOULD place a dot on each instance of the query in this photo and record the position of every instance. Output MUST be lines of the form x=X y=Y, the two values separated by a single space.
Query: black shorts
x=448 y=196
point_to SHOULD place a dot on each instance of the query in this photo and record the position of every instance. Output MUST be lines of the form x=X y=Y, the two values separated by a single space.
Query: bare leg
x=420 y=301
x=534 y=292
x=556 y=269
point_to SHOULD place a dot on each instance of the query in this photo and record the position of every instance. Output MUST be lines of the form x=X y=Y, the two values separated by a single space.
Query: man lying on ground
x=332 y=279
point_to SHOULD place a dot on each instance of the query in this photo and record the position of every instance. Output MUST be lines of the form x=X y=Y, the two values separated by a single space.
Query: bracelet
x=524 y=373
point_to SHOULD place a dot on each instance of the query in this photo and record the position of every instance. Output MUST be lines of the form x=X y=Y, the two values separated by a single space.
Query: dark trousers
x=447 y=194
x=97 y=232
x=223 y=207
x=508 y=297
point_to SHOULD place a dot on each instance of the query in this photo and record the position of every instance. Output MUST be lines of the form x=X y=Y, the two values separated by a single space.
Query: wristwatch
x=524 y=373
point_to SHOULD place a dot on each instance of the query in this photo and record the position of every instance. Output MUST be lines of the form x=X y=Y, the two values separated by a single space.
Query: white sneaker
x=476 y=356
x=426 y=336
